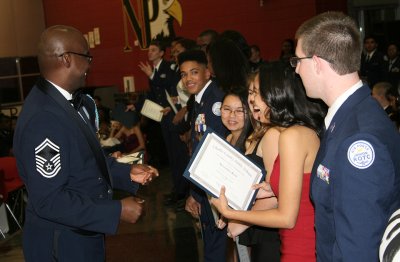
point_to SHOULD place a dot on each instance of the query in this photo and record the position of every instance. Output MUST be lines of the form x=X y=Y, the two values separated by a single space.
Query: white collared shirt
x=64 y=92
x=68 y=96
x=155 y=68
x=369 y=55
x=201 y=93
x=339 y=102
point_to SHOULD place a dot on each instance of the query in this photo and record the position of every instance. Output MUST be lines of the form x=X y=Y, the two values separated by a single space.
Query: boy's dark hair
x=161 y=45
x=210 y=32
x=186 y=43
x=192 y=55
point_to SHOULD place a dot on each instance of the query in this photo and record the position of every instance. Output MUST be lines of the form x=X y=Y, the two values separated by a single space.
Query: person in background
x=228 y=64
x=104 y=117
x=69 y=180
x=287 y=51
x=173 y=53
x=355 y=183
x=205 y=38
x=181 y=45
x=131 y=139
x=162 y=81
x=288 y=151
x=383 y=93
x=372 y=69
x=206 y=114
x=255 y=58
x=393 y=66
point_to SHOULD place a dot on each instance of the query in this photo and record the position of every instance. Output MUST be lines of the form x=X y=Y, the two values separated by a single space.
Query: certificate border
x=196 y=157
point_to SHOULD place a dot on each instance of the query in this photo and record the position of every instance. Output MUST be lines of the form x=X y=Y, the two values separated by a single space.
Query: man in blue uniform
x=206 y=114
x=69 y=180
x=355 y=182
x=163 y=81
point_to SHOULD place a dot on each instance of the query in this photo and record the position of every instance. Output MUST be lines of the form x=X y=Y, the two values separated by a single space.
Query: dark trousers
x=178 y=155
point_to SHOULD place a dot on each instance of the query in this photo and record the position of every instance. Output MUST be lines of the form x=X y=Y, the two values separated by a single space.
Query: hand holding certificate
x=216 y=163
x=152 y=110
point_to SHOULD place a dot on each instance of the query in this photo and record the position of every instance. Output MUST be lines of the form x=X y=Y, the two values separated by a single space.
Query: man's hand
x=193 y=207
x=132 y=209
x=179 y=116
x=143 y=174
x=166 y=110
x=174 y=99
x=130 y=107
x=146 y=68
x=116 y=154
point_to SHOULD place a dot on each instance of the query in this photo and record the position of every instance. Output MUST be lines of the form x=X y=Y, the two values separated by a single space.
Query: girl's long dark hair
x=284 y=94
x=229 y=64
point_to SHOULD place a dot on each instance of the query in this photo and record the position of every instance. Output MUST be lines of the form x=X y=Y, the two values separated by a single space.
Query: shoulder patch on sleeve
x=361 y=154
x=47 y=156
x=216 y=108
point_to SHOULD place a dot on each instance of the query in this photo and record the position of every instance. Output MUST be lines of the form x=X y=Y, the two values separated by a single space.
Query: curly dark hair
x=284 y=94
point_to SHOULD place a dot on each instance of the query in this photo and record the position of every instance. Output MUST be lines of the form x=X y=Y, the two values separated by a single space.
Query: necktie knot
x=77 y=99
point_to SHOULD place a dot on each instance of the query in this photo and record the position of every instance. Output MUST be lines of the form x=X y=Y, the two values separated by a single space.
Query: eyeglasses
x=88 y=57
x=294 y=61
x=228 y=111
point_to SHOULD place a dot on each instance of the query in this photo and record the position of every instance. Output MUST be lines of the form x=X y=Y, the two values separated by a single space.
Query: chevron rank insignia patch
x=47 y=156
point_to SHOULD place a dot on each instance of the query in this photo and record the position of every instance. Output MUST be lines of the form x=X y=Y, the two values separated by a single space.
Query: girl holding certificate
x=288 y=148
x=264 y=243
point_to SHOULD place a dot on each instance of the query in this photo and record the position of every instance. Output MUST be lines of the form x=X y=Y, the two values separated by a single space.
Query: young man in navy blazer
x=206 y=114
x=355 y=182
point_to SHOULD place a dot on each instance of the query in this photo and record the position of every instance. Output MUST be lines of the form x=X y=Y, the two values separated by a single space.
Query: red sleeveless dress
x=297 y=244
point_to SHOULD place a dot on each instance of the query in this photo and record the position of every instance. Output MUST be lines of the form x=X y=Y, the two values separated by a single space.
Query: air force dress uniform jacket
x=205 y=115
x=70 y=205
x=355 y=180
x=164 y=79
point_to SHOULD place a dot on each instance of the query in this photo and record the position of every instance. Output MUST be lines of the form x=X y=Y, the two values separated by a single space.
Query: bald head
x=56 y=40
x=55 y=44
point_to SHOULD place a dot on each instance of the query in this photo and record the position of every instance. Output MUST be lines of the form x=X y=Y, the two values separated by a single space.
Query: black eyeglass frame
x=294 y=60
x=88 y=57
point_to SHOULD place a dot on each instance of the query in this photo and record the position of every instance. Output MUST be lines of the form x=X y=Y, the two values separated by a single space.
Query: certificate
x=216 y=163
x=135 y=158
x=152 y=110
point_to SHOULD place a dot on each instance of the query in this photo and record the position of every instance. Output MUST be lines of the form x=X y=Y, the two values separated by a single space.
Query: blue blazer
x=164 y=79
x=209 y=111
x=67 y=192
x=355 y=183
x=210 y=107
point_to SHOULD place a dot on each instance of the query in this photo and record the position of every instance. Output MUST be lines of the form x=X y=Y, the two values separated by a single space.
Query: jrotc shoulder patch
x=47 y=156
x=216 y=108
x=361 y=154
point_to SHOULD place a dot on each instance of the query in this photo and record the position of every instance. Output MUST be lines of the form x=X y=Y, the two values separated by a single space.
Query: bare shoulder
x=269 y=140
x=272 y=132
x=299 y=134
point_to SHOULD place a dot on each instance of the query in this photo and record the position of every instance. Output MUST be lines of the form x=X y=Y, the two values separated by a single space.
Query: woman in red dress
x=289 y=146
